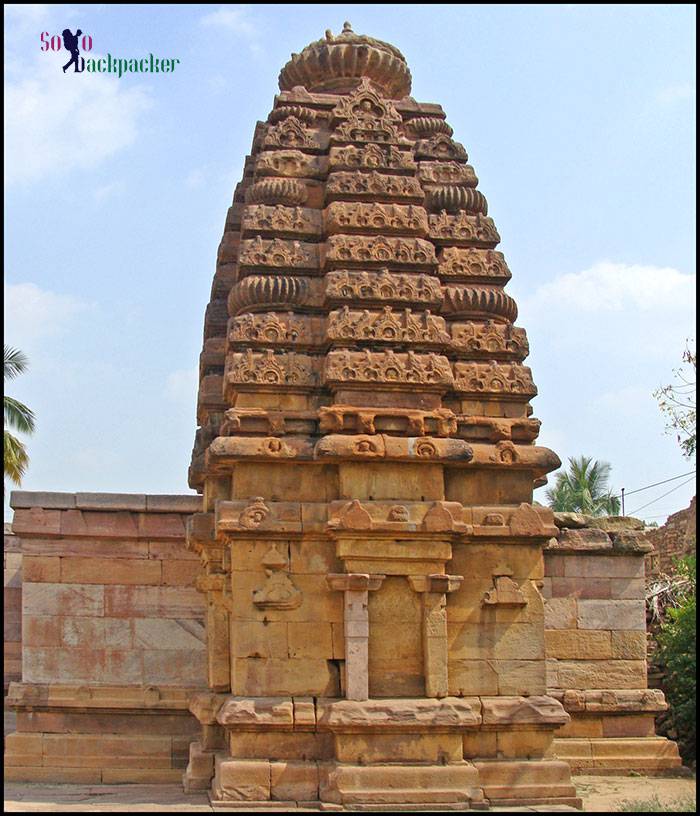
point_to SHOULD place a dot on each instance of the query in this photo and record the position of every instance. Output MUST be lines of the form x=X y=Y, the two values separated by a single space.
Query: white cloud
x=234 y=18
x=616 y=287
x=55 y=124
x=33 y=314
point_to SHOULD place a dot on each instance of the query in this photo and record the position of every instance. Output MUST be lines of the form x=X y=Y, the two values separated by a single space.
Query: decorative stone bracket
x=356 y=587
x=433 y=590
x=278 y=592
x=505 y=591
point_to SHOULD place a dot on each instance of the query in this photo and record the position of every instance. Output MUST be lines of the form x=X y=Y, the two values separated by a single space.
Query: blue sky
x=579 y=121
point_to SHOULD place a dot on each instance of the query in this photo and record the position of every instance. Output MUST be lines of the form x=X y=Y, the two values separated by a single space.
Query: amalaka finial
x=347 y=28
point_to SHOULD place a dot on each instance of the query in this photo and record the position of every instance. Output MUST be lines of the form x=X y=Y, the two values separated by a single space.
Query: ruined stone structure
x=671 y=541
x=372 y=559
x=388 y=618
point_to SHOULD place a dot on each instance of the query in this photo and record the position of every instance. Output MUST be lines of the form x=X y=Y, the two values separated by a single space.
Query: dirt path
x=601 y=794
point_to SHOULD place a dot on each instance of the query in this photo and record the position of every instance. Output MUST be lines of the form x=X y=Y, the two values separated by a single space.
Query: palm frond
x=18 y=416
x=15 y=458
x=14 y=363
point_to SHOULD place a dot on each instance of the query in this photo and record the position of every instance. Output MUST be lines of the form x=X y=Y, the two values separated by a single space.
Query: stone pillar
x=356 y=587
x=434 y=589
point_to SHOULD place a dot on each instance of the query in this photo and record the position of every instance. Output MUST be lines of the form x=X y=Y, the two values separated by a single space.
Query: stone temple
x=389 y=618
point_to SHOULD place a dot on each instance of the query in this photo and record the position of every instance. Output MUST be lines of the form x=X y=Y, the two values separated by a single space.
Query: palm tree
x=583 y=488
x=17 y=416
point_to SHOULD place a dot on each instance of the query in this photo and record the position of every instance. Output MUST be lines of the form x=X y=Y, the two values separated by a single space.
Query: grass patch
x=684 y=805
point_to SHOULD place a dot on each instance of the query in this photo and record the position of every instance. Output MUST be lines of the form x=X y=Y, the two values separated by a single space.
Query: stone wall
x=12 y=608
x=113 y=638
x=113 y=645
x=595 y=637
x=673 y=540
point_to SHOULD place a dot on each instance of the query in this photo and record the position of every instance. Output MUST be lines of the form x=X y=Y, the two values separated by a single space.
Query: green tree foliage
x=677 y=402
x=18 y=417
x=677 y=656
x=583 y=488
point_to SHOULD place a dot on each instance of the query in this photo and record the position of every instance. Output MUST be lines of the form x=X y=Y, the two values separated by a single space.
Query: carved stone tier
x=373 y=186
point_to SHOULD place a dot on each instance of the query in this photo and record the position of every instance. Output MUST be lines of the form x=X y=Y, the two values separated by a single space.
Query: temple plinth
x=371 y=557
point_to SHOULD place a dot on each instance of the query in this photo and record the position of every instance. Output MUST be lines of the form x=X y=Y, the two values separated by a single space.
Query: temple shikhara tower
x=366 y=451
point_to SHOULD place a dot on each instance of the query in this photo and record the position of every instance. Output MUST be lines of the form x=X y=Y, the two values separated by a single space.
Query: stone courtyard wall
x=596 y=642
x=112 y=638
x=12 y=608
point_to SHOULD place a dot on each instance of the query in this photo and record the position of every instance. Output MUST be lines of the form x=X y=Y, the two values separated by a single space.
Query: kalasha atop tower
x=371 y=557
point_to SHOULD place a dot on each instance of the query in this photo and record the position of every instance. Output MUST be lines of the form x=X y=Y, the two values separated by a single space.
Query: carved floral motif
x=386 y=326
x=475 y=229
x=363 y=116
x=371 y=156
x=268 y=368
x=291 y=133
x=493 y=378
x=380 y=250
x=472 y=263
x=489 y=338
x=290 y=163
x=301 y=221
x=342 y=216
x=448 y=172
x=440 y=146
x=382 y=286
x=278 y=253
x=268 y=328
x=387 y=367
x=343 y=184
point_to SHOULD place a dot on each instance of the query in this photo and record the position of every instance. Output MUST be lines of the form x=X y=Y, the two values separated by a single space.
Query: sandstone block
x=368 y=749
x=310 y=640
x=560 y=613
x=251 y=712
x=524 y=744
x=262 y=640
x=603 y=566
x=629 y=645
x=175 y=667
x=629 y=725
x=179 y=573
x=110 y=571
x=168 y=633
x=62 y=599
x=601 y=674
x=581 y=587
x=521 y=677
x=273 y=745
x=628 y=615
x=470 y=677
x=271 y=677
x=41 y=631
x=627 y=588
x=481 y=744
x=578 y=644
x=152 y=602
x=295 y=781
x=240 y=780
x=41 y=569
